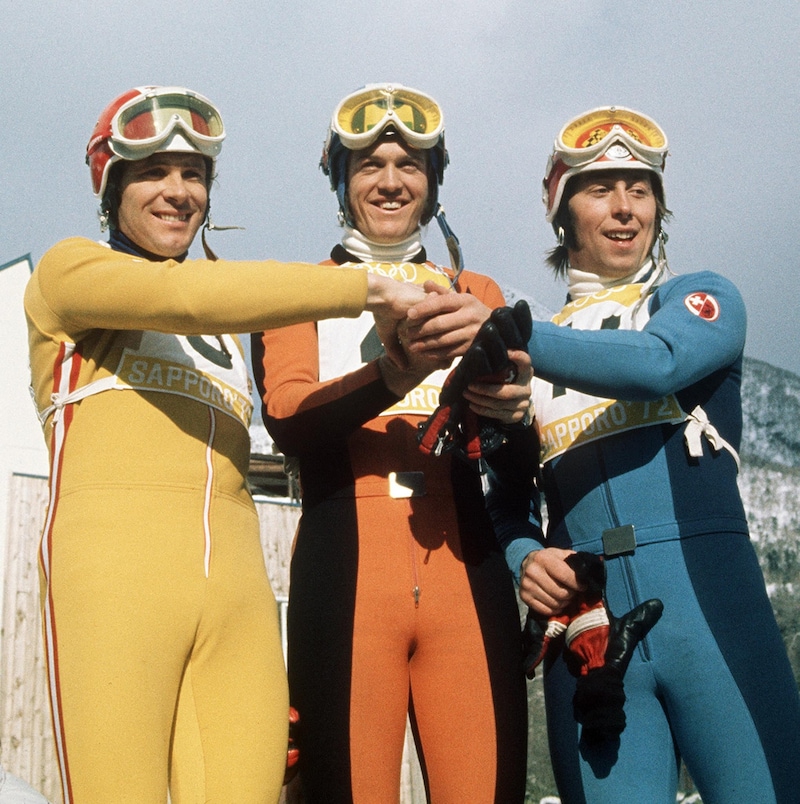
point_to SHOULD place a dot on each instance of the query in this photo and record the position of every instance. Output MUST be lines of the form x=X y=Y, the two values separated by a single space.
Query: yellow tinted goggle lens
x=594 y=127
x=365 y=112
x=152 y=116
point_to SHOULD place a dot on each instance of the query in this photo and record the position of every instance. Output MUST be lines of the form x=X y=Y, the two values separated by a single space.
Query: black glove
x=453 y=427
x=600 y=694
x=538 y=634
x=597 y=648
x=515 y=324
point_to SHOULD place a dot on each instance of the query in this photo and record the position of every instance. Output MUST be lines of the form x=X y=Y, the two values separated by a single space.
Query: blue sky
x=723 y=79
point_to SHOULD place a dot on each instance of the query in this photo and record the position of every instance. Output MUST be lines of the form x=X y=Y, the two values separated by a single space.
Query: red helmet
x=148 y=120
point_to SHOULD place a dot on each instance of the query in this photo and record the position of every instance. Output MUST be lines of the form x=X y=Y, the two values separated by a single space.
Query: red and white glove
x=453 y=426
x=292 y=752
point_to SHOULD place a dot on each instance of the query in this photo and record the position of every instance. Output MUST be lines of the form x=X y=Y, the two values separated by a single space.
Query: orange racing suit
x=399 y=601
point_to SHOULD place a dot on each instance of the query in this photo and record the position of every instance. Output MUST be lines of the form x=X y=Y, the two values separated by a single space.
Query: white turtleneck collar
x=584 y=283
x=368 y=251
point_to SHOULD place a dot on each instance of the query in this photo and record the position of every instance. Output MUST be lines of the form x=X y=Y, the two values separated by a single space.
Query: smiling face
x=387 y=189
x=163 y=201
x=613 y=213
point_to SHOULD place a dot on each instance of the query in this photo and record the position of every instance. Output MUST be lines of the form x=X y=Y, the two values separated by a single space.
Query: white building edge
x=22 y=446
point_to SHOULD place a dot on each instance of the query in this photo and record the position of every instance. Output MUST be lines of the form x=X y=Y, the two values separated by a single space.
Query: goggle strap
x=453 y=246
x=208 y=226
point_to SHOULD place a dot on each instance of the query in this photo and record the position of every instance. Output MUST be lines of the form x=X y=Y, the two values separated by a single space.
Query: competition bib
x=567 y=418
x=196 y=367
x=204 y=368
x=347 y=344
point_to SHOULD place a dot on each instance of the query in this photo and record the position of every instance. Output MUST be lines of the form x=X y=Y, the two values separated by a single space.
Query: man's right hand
x=547 y=583
x=389 y=301
x=449 y=325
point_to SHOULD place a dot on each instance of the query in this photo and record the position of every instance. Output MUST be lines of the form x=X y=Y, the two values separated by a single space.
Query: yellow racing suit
x=152 y=570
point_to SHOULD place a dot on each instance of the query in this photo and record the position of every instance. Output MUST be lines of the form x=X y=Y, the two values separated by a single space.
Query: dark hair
x=109 y=204
x=558 y=257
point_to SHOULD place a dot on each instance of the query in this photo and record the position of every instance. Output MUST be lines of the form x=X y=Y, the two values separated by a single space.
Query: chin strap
x=661 y=258
x=208 y=226
x=453 y=246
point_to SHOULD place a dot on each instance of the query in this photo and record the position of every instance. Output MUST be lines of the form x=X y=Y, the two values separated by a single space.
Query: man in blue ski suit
x=637 y=405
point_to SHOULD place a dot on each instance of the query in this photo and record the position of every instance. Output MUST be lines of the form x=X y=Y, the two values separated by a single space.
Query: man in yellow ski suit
x=153 y=580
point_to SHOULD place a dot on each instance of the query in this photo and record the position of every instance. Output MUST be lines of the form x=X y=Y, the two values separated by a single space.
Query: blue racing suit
x=638 y=410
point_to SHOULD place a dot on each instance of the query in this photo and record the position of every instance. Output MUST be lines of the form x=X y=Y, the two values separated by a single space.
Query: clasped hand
x=436 y=330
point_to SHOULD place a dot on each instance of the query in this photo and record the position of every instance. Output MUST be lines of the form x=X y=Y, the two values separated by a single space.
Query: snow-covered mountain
x=771 y=406
x=770 y=485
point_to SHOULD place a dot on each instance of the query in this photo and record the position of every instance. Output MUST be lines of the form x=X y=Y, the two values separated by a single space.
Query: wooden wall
x=26 y=740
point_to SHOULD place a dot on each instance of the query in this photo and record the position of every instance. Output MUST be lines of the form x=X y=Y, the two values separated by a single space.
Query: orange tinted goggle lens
x=592 y=128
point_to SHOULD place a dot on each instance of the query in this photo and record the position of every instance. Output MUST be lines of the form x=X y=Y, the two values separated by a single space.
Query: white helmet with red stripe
x=606 y=138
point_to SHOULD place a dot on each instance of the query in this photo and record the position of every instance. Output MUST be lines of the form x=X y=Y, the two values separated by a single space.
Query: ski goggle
x=142 y=125
x=361 y=117
x=587 y=138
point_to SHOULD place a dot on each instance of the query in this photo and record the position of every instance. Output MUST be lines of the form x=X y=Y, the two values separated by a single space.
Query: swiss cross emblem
x=703 y=305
